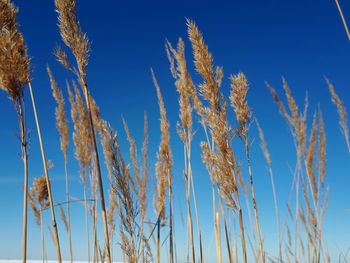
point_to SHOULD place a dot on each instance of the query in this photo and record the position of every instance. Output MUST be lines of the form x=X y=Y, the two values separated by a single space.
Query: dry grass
x=301 y=235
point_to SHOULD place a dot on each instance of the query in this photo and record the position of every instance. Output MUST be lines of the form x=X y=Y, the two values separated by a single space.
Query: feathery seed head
x=40 y=190
x=14 y=69
x=72 y=34
x=203 y=61
x=82 y=133
x=321 y=140
x=341 y=112
x=61 y=119
x=164 y=155
x=238 y=98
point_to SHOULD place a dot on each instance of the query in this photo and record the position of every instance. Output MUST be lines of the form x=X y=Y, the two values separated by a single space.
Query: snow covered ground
x=38 y=261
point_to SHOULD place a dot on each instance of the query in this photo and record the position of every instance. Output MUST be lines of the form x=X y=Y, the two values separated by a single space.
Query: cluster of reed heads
x=300 y=235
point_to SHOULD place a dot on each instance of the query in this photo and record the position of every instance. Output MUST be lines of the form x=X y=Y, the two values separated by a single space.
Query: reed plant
x=301 y=235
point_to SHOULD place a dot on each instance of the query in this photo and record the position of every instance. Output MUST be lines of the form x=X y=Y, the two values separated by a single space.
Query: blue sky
x=304 y=41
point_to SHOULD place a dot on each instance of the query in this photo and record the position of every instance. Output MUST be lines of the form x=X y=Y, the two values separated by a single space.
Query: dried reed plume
x=144 y=184
x=295 y=120
x=297 y=124
x=38 y=201
x=321 y=140
x=73 y=36
x=132 y=238
x=81 y=133
x=163 y=171
x=82 y=143
x=218 y=158
x=238 y=99
x=14 y=76
x=186 y=90
x=343 y=117
x=60 y=114
x=63 y=130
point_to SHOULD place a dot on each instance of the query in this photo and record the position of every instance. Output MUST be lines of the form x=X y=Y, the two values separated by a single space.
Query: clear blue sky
x=300 y=40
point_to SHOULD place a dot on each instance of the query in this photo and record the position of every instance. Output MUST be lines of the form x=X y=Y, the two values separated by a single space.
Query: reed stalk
x=25 y=192
x=87 y=224
x=42 y=235
x=343 y=19
x=164 y=172
x=14 y=76
x=63 y=130
x=267 y=157
x=53 y=217
x=73 y=36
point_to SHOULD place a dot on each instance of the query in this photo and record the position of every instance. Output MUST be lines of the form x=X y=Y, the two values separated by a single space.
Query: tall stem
x=68 y=212
x=171 y=248
x=197 y=222
x=98 y=170
x=54 y=224
x=158 y=240
x=188 y=198
x=255 y=207
x=276 y=212
x=345 y=25
x=87 y=223
x=21 y=119
x=42 y=235
x=241 y=228
x=216 y=226
x=226 y=233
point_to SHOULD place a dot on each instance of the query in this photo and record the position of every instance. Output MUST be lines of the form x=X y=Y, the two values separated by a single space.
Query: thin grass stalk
x=188 y=199
x=63 y=130
x=241 y=229
x=171 y=240
x=54 y=224
x=42 y=235
x=96 y=249
x=218 y=237
x=343 y=19
x=216 y=226
x=255 y=207
x=276 y=212
x=158 y=240
x=266 y=154
x=87 y=223
x=73 y=36
x=226 y=233
x=68 y=211
x=21 y=120
x=197 y=222
x=14 y=76
x=98 y=170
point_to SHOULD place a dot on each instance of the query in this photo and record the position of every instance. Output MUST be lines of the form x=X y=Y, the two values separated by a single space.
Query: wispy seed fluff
x=81 y=134
x=219 y=161
x=238 y=99
x=72 y=34
x=60 y=114
x=343 y=119
x=321 y=140
x=14 y=70
x=164 y=162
